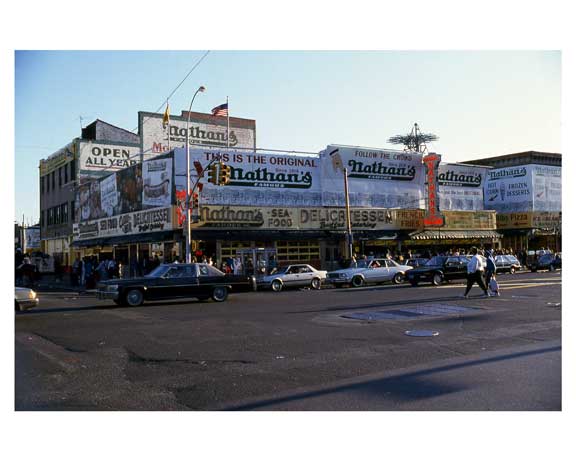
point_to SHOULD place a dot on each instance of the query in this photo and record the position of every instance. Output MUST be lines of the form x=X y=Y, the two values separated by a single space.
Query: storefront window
x=228 y=249
x=297 y=251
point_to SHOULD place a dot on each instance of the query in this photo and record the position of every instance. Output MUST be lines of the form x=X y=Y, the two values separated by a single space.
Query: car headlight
x=32 y=294
x=112 y=287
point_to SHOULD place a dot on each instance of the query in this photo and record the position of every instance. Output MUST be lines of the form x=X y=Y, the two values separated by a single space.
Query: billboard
x=524 y=188
x=256 y=179
x=154 y=136
x=108 y=195
x=32 y=238
x=290 y=218
x=129 y=184
x=89 y=200
x=157 y=183
x=377 y=178
x=101 y=159
x=461 y=187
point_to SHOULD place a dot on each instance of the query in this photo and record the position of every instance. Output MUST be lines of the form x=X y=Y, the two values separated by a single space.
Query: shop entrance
x=257 y=261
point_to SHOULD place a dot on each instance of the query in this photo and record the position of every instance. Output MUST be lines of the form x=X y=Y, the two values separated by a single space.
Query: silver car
x=24 y=298
x=371 y=271
x=295 y=275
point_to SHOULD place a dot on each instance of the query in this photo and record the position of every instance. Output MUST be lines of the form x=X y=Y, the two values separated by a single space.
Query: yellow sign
x=57 y=159
x=471 y=220
x=285 y=218
x=530 y=219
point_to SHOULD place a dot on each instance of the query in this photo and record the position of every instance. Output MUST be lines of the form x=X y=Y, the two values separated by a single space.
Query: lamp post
x=200 y=89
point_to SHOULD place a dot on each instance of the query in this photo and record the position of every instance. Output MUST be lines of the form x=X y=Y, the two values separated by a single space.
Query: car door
x=171 y=285
x=291 y=277
x=378 y=271
x=305 y=276
x=452 y=267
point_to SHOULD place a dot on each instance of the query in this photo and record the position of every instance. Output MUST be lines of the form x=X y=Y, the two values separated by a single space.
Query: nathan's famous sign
x=258 y=179
x=376 y=177
x=460 y=187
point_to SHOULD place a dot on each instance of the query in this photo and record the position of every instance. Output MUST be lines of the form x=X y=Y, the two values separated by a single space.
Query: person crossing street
x=475 y=273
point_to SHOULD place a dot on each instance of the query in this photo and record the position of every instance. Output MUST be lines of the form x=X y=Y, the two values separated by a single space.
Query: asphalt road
x=334 y=349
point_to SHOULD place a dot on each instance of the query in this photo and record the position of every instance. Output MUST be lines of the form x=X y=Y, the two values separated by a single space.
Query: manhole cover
x=421 y=333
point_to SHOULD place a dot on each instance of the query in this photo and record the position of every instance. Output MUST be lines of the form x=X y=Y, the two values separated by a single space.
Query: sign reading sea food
x=256 y=179
x=306 y=218
x=376 y=177
x=460 y=187
x=157 y=179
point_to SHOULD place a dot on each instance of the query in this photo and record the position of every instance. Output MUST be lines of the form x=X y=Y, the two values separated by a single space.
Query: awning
x=151 y=237
x=454 y=234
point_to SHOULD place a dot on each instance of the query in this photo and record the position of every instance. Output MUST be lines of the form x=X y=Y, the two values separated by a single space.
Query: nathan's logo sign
x=229 y=217
x=458 y=179
x=379 y=170
x=262 y=177
x=507 y=173
x=197 y=135
x=433 y=216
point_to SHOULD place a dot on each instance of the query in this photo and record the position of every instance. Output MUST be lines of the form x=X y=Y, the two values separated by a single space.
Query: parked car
x=417 y=262
x=169 y=281
x=25 y=298
x=295 y=275
x=439 y=269
x=547 y=261
x=507 y=263
x=371 y=271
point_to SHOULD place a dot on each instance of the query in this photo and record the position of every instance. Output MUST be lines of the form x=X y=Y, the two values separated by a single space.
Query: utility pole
x=349 y=245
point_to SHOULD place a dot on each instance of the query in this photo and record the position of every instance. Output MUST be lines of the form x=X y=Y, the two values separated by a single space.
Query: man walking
x=490 y=266
x=475 y=274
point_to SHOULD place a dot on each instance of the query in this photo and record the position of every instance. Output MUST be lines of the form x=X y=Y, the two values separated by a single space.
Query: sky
x=478 y=103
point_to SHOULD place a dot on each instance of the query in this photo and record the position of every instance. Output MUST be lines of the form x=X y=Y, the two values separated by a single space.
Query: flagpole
x=168 y=109
x=227 y=123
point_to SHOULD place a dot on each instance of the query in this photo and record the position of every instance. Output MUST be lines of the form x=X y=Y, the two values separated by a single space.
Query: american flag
x=221 y=110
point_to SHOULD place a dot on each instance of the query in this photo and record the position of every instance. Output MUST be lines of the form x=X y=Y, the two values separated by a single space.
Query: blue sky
x=479 y=103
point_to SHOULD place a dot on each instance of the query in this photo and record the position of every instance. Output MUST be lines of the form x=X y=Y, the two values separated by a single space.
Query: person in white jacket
x=475 y=274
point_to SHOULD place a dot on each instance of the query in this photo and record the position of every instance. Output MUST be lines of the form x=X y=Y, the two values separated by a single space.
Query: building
x=525 y=189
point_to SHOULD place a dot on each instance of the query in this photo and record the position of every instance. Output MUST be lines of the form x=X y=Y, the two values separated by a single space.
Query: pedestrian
x=490 y=266
x=494 y=287
x=475 y=272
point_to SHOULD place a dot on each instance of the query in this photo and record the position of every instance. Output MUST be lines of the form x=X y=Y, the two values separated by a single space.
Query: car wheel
x=437 y=279
x=316 y=284
x=512 y=270
x=357 y=282
x=398 y=278
x=219 y=294
x=134 y=297
x=276 y=285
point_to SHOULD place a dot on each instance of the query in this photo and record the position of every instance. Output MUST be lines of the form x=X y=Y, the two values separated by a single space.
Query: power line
x=180 y=84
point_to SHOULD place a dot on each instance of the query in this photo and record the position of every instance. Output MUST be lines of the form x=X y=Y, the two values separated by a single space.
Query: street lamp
x=200 y=89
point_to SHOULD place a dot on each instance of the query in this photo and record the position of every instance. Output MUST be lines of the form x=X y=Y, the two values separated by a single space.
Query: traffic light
x=213 y=174
x=195 y=201
x=224 y=176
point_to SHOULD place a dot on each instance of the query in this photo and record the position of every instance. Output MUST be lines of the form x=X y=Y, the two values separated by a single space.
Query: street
x=332 y=349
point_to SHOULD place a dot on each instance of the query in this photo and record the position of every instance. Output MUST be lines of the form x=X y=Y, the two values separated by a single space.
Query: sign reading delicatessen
x=290 y=218
x=153 y=220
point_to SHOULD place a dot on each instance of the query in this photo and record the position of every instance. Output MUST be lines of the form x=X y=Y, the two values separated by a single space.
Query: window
x=42 y=185
x=57 y=215
x=72 y=211
x=50 y=216
x=53 y=180
x=42 y=218
x=72 y=170
x=47 y=177
x=64 y=212
x=65 y=174
x=298 y=251
x=60 y=177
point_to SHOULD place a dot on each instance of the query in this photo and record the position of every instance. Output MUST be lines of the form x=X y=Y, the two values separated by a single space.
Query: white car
x=371 y=271
x=302 y=275
x=24 y=298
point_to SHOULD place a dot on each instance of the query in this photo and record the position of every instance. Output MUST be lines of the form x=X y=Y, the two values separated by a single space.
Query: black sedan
x=439 y=269
x=169 y=281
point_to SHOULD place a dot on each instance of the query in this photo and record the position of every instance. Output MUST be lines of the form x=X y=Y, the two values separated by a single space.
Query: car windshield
x=435 y=261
